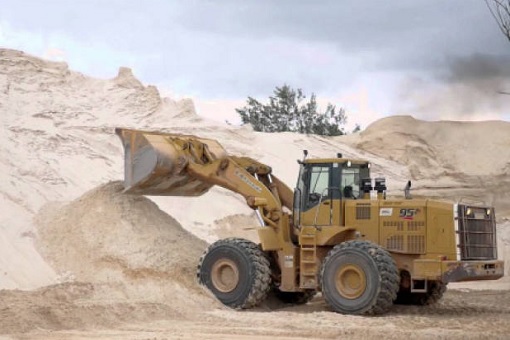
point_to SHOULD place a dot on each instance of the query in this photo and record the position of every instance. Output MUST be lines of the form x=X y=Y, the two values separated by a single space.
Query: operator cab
x=322 y=185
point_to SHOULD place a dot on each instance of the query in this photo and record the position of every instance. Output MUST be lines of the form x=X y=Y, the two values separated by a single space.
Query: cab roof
x=334 y=160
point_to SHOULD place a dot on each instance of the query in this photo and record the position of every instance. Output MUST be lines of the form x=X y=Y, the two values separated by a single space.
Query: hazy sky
x=433 y=59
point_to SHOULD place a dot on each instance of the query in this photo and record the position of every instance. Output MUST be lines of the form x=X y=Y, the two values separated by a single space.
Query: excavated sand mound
x=121 y=259
x=106 y=235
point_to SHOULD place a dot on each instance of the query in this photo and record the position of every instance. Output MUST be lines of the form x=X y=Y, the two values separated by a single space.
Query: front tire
x=359 y=277
x=236 y=271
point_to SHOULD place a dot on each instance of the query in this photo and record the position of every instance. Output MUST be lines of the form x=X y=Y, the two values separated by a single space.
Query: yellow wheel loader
x=336 y=233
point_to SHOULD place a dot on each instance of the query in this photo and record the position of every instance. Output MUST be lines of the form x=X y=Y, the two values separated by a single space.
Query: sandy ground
x=69 y=311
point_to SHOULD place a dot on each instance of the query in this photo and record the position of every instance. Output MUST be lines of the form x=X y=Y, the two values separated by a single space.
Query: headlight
x=488 y=212
x=348 y=164
x=469 y=211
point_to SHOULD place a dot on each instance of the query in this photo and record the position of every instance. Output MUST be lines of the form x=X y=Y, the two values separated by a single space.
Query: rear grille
x=415 y=225
x=476 y=233
x=398 y=224
x=395 y=243
x=416 y=244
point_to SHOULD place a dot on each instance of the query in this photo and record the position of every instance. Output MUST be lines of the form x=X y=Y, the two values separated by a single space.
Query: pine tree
x=287 y=110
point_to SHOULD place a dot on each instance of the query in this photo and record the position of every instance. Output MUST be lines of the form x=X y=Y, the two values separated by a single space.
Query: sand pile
x=108 y=236
x=445 y=148
x=120 y=258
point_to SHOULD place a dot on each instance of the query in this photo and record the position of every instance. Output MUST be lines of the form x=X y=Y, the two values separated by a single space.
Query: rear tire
x=359 y=277
x=236 y=271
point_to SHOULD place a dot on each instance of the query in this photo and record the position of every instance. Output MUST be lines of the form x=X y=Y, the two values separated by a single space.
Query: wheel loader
x=336 y=233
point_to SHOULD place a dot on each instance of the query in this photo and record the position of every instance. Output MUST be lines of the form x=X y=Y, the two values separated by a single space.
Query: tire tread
x=386 y=267
x=262 y=273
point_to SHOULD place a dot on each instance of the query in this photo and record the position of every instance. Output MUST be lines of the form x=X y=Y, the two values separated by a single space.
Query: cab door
x=319 y=201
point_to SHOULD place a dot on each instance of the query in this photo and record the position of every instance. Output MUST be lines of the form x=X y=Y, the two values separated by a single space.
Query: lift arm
x=182 y=165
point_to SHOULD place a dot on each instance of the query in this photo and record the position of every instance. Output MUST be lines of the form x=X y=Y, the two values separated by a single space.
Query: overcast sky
x=433 y=59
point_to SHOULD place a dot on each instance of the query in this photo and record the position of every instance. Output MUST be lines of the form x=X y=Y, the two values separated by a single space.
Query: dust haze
x=470 y=88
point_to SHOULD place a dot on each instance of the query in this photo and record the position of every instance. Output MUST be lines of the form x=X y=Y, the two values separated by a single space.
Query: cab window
x=351 y=179
x=318 y=185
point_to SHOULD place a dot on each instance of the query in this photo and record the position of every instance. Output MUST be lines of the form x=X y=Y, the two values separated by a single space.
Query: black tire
x=435 y=291
x=294 y=298
x=359 y=277
x=236 y=271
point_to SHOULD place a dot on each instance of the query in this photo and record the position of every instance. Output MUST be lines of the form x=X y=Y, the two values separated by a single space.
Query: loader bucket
x=155 y=164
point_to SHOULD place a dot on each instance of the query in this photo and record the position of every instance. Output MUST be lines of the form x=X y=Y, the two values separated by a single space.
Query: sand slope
x=57 y=142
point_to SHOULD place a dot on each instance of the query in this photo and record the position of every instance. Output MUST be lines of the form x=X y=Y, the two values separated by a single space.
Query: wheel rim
x=350 y=281
x=225 y=275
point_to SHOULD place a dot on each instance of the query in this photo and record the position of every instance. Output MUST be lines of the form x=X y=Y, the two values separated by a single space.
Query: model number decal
x=408 y=214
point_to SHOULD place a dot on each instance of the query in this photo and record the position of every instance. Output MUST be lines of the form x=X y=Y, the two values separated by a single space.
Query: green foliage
x=287 y=110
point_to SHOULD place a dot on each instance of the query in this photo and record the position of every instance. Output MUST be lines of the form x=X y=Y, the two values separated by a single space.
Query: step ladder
x=308 y=261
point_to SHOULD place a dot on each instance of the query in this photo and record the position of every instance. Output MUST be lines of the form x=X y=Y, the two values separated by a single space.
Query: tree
x=288 y=111
x=500 y=10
